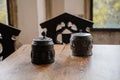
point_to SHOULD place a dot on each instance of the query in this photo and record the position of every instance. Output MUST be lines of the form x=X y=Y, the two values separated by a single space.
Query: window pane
x=3 y=12
x=106 y=14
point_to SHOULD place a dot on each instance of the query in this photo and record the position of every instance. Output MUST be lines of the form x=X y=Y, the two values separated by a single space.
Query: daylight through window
x=3 y=12
x=106 y=14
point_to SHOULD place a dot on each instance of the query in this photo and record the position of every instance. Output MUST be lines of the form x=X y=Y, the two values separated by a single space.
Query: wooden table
x=104 y=64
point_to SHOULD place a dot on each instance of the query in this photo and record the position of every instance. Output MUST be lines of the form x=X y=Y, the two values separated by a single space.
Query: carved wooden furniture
x=102 y=65
x=65 y=21
x=6 y=39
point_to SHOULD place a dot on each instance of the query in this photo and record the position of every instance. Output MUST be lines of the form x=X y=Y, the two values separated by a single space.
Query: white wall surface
x=75 y=7
x=30 y=14
x=41 y=11
x=57 y=7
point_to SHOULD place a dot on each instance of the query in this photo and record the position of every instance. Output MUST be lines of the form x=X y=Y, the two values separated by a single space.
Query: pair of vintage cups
x=43 y=48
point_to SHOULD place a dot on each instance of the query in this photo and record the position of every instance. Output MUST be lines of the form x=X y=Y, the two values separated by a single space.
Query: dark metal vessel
x=42 y=51
x=81 y=44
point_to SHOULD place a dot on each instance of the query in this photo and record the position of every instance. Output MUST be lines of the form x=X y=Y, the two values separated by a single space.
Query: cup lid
x=43 y=41
x=81 y=34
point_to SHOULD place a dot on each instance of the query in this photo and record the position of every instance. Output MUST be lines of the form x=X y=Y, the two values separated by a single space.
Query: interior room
x=40 y=12
x=27 y=16
x=59 y=39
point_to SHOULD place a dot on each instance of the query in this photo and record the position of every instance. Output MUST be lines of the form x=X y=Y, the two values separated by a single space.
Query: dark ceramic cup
x=42 y=51
x=81 y=44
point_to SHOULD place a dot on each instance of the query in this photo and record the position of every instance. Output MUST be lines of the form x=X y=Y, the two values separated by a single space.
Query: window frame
x=12 y=12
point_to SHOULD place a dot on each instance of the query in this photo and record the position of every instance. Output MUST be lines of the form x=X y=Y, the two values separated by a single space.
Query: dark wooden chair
x=63 y=22
x=6 y=39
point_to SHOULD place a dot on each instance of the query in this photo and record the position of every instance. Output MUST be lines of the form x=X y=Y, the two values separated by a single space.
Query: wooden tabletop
x=104 y=64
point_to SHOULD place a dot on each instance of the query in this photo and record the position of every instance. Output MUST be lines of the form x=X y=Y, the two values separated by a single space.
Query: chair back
x=65 y=24
x=6 y=39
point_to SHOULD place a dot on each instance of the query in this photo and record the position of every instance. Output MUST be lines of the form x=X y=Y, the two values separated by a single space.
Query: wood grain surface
x=102 y=65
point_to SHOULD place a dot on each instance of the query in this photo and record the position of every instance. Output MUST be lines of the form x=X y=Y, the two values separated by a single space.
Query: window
x=105 y=14
x=3 y=12
x=8 y=12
